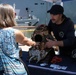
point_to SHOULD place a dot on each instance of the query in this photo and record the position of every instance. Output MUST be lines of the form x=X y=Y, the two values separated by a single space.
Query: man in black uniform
x=63 y=30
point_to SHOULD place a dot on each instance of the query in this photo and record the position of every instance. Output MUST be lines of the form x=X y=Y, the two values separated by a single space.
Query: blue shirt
x=9 y=53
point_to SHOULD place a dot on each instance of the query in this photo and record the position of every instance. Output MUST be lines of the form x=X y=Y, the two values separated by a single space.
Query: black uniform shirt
x=63 y=32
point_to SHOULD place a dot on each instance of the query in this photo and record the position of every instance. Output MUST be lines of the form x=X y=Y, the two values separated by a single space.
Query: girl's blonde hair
x=7 y=16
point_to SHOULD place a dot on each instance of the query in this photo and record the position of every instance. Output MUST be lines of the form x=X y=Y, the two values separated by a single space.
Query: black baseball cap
x=56 y=9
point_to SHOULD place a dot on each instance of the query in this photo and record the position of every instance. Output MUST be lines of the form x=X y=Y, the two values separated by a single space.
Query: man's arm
x=70 y=36
x=51 y=43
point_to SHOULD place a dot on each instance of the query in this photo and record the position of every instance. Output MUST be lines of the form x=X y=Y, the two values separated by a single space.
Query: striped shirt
x=9 y=53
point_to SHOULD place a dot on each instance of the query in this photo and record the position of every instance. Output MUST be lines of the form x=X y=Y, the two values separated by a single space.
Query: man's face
x=55 y=18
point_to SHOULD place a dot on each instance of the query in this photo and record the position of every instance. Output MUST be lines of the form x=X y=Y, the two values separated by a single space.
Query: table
x=36 y=69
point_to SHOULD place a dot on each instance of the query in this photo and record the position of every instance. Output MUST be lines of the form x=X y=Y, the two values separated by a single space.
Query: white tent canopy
x=53 y=1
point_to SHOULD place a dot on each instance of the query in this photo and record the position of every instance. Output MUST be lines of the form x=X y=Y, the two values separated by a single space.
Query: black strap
x=1 y=72
x=25 y=66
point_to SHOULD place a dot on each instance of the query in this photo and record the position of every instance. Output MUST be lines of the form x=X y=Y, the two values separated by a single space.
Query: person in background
x=63 y=30
x=10 y=63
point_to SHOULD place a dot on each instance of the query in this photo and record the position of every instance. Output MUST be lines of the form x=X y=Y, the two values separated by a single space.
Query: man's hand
x=49 y=43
